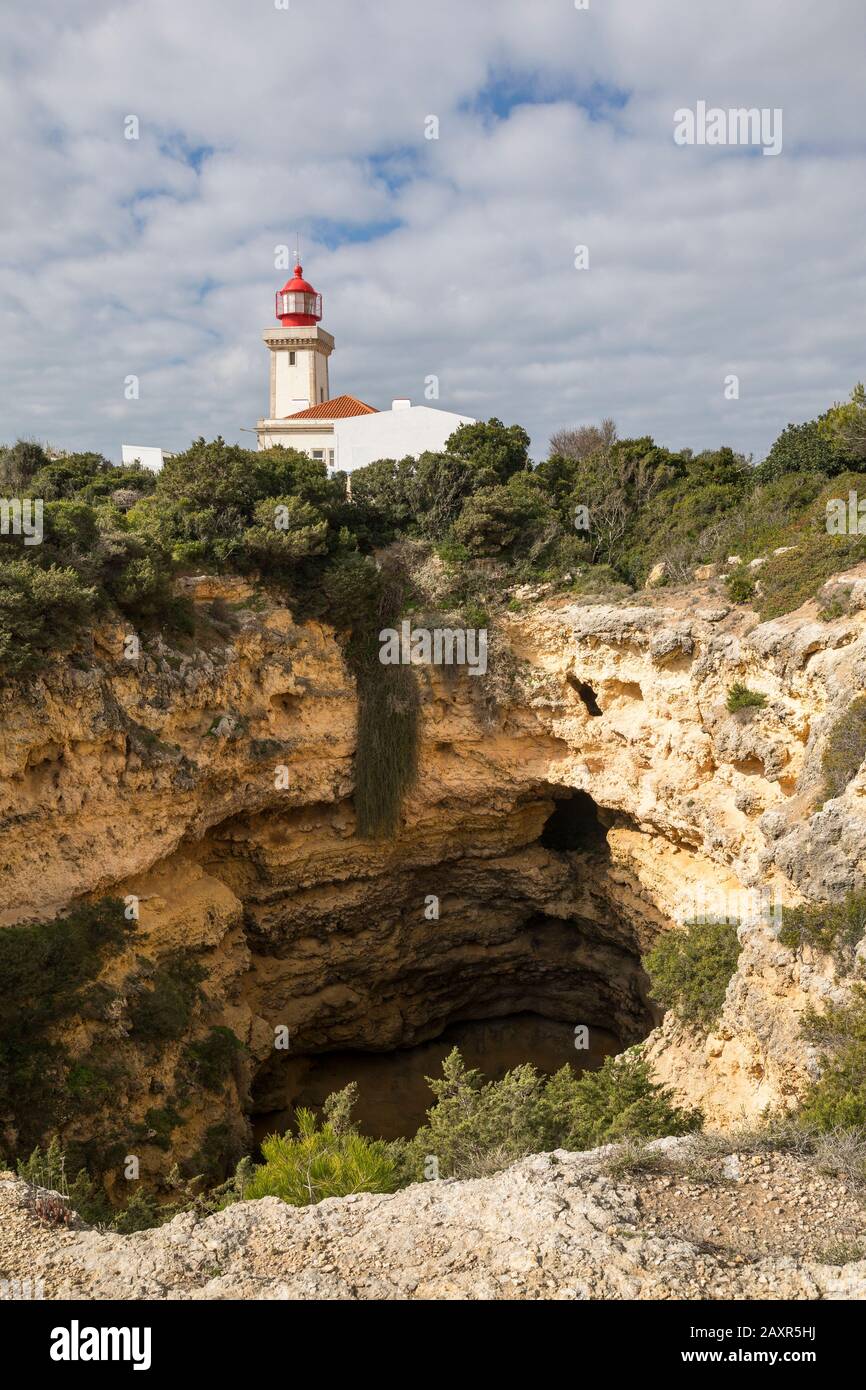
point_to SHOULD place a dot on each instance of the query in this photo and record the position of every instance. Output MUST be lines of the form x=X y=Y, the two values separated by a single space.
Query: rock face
x=585 y=794
x=555 y=1226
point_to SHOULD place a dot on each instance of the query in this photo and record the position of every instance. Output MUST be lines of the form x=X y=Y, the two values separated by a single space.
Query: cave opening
x=524 y=957
x=574 y=824
x=393 y=1092
x=587 y=695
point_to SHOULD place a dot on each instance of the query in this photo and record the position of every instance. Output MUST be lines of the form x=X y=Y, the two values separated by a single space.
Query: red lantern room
x=297 y=302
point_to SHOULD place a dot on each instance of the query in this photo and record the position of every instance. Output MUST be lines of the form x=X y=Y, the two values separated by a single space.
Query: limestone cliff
x=213 y=785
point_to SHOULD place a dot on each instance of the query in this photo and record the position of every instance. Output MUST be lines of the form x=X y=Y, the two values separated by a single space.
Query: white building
x=148 y=455
x=344 y=432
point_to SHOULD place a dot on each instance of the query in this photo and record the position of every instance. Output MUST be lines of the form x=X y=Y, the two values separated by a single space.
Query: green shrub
x=162 y=1009
x=846 y=748
x=286 y=531
x=222 y=1150
x=213 y=1060
x=690 y=969
x=331 y=1160
x=837 y=1101
x=829 y=927
x=801 y=449
x=741 y=697
x=477 y=1127
x=790 y=580
x=740 y=585
x=50 y=1168
x=493 y=518
x=619 y=1101
x=494 y=451
x=844 y=426
x=48 y=971
x=157 y=1126
x=141 y=1212
x=42 y=611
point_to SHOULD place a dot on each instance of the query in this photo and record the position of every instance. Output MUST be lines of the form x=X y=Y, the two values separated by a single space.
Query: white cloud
x=155 y=257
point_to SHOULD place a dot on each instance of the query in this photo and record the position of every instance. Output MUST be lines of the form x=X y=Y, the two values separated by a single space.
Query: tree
x=18 y=464
x=438 y=489
x=616 y=487
x=41 y=611
x=206 y=498
x=495 y=451
x=803 y=448
x=381 y=498
x=89 y=477
x=580 y=441
x=286 y=530
x=494 y=517
x=845 y=425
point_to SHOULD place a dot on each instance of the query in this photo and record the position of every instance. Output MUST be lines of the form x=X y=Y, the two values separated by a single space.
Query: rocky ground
x=671 y=1223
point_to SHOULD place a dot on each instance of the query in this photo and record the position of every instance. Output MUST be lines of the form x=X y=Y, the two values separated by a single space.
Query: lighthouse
x=299 y=349
x=339 y=431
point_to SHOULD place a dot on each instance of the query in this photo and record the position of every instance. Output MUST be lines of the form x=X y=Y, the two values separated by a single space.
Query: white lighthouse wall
x=292 y=383
x=392 y=434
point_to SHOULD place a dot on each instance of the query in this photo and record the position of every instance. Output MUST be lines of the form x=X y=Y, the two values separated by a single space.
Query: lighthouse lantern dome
x=297 y=302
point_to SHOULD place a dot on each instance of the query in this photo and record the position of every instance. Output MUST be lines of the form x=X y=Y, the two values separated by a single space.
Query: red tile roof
x=340 y=408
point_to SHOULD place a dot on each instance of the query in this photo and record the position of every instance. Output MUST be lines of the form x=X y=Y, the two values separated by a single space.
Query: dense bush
x=740 y=585
x=327 y=1160
x=741 y=697
x=161 y=1008
x=845 y=426
x=832 y=927
x=214 y=1059
x=619 y=1101
x=801 y=449
x=846 y=748
x=838 y=1099
x=116 y=537
x=691 y=967
x=476 y=1127
x=497 y=516
x=49 y=971
x=41 y=611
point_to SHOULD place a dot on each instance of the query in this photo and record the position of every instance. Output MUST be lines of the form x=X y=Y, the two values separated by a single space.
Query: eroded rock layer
x=214 y=786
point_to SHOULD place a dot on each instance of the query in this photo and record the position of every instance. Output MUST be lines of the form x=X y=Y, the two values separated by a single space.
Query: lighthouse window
x=291 y=359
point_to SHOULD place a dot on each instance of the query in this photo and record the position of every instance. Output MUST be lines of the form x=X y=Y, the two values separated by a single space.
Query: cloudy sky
x=155 y=257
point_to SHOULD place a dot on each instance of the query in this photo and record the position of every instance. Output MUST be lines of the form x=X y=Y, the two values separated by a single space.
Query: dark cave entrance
x=574 y=824
x=587 y=695
x=393 y=1094
x=503 y=998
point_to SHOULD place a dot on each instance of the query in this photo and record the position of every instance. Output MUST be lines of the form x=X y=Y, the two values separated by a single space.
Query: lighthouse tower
x=341 y=432
x=299 y=349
